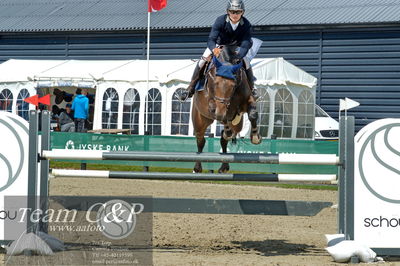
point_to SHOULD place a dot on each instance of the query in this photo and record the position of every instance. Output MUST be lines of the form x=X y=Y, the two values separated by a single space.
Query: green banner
x=112 y=142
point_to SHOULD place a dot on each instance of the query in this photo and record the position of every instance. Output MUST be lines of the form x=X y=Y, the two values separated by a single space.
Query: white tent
x=269 y=71
x=166 y=76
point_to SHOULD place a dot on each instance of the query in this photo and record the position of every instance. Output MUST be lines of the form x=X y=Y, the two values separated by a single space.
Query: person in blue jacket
x=80 y=106
x=229 y=29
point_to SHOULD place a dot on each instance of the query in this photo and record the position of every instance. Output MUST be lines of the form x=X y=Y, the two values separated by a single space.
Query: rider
x=229 y=29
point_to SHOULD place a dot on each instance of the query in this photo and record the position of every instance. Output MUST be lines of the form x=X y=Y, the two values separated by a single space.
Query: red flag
x=45 y=99
x=36 y=100
x=156 y=5
x=33 y=100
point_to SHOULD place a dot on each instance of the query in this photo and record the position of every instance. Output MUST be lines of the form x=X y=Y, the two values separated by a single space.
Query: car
x=326 y=128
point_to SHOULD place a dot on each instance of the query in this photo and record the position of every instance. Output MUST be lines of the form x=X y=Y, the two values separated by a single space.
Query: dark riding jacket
x=223 y=34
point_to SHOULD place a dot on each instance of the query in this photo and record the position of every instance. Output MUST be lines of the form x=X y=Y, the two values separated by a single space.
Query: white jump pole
x=305 y=159
x=317 y=159
x=80 y=173
x=197 y=176
x=73 y=154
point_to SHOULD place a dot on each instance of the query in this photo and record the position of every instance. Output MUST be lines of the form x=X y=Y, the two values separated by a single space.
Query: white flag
x=347 y=104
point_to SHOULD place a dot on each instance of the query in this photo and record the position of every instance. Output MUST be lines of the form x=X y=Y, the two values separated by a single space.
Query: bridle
x=225 y=101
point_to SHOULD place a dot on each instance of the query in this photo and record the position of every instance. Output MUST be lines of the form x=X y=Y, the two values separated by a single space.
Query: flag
x=153 y=5
x=347 y=104
x=156 y=5
x=35 y=100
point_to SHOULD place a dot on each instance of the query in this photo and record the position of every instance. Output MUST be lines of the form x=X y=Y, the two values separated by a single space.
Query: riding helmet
x=235 y=5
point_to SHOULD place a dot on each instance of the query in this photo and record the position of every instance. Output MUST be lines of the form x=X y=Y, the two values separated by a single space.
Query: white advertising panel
x=13 y=161
x=377 y=184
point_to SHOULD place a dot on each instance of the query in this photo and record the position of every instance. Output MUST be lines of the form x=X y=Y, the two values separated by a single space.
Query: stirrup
x=182 y=97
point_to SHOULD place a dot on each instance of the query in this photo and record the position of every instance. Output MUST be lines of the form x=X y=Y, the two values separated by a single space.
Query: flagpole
x=148 y=73
x=153 y=5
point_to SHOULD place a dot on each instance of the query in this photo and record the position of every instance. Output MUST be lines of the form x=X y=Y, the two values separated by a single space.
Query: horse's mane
x=227 y=54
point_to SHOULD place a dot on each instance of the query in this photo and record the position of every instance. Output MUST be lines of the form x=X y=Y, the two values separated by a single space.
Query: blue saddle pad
x=225 y=71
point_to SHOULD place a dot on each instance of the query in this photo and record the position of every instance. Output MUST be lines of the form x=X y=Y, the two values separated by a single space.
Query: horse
x=226 y=97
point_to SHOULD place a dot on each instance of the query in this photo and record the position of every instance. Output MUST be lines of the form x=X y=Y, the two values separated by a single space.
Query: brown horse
x=226 y=97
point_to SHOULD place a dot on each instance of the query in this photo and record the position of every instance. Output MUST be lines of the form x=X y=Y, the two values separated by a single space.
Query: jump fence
x=344 y=161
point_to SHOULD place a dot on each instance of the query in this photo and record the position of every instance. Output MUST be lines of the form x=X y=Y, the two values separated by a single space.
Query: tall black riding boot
x=250 y=78
x=190 y=89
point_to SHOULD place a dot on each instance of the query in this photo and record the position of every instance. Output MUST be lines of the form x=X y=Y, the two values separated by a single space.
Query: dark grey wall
x=359 y=63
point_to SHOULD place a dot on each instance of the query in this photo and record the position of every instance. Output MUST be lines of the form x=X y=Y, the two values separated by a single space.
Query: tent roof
x=268 y=71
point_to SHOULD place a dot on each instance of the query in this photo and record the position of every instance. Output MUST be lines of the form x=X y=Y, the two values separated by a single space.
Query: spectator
x=80 y=106
x=66 y=120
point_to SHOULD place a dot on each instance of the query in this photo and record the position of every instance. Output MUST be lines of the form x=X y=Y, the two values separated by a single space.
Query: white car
x=326 y=128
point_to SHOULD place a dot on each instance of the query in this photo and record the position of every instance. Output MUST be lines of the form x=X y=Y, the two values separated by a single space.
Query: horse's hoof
x=198 y=168
x=224 y=168
x=256 y=139
x=227 y=135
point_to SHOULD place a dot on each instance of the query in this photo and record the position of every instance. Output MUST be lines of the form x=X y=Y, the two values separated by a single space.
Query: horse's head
x=228 y=54
x=224 y=86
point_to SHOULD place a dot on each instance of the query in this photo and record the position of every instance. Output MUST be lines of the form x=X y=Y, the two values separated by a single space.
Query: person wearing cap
x=231 y=28
x=66 y=120
x=80 y=106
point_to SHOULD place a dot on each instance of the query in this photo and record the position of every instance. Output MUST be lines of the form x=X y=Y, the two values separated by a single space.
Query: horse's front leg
x=252 y=113
x=201 y=141
x=227 y=133
x=225 y=137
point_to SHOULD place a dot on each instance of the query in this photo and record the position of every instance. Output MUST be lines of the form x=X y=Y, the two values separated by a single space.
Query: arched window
x=110 y=109
x=6 y=100
x=283 y=114
x=263 y=112
x=180 y=115
x=154 y=112
x=305 y=115
x=130 y=118
x=22 y=106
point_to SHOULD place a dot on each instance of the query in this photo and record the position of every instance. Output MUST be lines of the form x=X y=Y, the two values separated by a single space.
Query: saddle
x=223 y=70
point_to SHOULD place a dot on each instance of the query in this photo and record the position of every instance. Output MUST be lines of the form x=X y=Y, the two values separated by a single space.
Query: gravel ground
x=206 y=239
